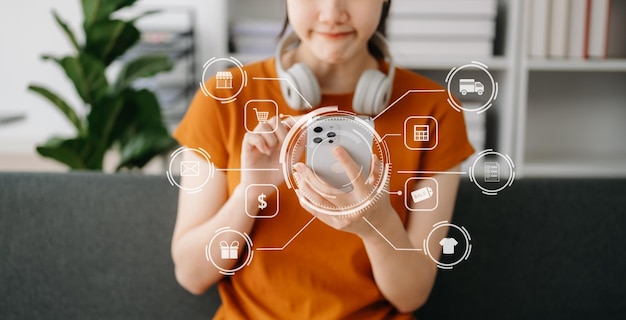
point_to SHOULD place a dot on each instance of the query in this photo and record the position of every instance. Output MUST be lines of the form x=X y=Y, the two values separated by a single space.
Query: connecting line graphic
x=406 y=94
x=398 y=193
x=389 y=242
x=288 y=242
x=431 y=172
x=391 y=135
x=288 y=82
x=240 y=169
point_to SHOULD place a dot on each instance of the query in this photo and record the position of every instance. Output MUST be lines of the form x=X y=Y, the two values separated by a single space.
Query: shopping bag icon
x=189 y=168
x=230 y=252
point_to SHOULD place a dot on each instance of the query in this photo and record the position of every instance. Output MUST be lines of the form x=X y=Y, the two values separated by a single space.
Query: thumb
x=376 y=170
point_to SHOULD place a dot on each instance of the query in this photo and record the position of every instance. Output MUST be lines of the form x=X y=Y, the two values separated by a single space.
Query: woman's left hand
x=327 y=196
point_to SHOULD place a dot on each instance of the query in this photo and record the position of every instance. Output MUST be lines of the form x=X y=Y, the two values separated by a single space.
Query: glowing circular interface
x=330 y=189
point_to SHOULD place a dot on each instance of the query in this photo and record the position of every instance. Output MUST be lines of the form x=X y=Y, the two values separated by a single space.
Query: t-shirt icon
x=448 y=245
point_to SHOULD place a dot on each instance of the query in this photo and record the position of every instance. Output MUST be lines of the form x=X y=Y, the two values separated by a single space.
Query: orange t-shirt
x=323 y=273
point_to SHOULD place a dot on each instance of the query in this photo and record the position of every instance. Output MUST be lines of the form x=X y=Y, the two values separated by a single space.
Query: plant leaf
x=109 y=39
x=141 y=67
x=102 y=120
x=143 y=14
x=141 y=131
x=97 y=10
x=77 y=153
x=66 y=151
x=87 y=75
x=63 y=106
x=143 y=146
x=68 y=32
x=144 y=106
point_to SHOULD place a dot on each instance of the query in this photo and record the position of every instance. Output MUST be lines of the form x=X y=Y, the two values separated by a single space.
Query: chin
x=335 y=56
x=332 y=59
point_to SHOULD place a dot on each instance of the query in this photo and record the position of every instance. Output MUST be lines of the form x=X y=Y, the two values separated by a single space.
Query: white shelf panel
x=580 y=170
x=609 y=65
x=606 y=165
x=416 y=62
x=438 y=63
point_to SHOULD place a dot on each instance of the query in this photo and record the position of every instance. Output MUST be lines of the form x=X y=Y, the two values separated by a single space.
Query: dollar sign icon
x=262 y=202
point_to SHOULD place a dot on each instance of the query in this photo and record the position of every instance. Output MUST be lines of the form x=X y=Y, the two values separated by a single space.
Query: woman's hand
x=260 y=153
x=328 y=196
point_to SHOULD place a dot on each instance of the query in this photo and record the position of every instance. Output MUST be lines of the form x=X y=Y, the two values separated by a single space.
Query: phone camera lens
x=317 y=139
x=318 y=129
x=331 y=134
x=331 y=141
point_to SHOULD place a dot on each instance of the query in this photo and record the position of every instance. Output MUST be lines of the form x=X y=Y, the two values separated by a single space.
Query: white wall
x=28 y=29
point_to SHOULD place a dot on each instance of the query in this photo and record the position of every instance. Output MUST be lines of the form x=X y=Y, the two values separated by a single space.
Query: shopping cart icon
x=263 y=110
x=261 y=116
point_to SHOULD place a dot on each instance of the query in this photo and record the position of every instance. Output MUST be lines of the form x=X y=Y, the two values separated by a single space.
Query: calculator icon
x=492 y=172
x=420 y=133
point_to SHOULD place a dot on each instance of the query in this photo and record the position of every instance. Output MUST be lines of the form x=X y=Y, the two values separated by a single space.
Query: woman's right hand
x=260 y=153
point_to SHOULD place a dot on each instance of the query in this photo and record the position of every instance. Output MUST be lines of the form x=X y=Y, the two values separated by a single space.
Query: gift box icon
x=230 y=251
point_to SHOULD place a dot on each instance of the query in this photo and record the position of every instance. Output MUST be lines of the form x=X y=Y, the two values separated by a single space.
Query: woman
x=336 y=267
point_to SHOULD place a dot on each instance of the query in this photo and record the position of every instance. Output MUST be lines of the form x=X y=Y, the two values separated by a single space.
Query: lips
x=335 y=35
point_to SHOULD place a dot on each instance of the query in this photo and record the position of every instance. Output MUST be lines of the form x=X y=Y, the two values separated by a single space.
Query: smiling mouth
x=335 y=35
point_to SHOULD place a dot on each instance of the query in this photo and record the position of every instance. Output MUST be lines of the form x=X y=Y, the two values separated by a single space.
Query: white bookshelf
x=609 y=65
x=570 y=115
x=555 y=118
x=502 y=67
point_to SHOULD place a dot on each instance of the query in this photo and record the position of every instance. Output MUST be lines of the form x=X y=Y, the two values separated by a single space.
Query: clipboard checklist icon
x=492 y=172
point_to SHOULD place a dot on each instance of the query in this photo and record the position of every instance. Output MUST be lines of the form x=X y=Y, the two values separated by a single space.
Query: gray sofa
x=96 y=246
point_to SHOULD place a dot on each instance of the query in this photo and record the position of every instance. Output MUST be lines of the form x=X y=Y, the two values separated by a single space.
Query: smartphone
x=354 y=133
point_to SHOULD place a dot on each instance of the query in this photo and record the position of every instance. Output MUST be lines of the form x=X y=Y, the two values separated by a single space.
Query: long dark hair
x=382 y=28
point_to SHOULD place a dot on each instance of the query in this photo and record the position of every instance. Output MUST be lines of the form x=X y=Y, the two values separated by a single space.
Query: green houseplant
x=118 y=115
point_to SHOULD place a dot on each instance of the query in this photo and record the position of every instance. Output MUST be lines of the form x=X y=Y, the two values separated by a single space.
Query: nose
x=333 y=11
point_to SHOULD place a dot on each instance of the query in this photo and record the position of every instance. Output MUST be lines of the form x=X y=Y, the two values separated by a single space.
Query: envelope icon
x=189 y=168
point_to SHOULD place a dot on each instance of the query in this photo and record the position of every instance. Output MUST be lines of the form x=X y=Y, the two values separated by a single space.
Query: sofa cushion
x=96 y=246
x=91 y=246
x=542 y=249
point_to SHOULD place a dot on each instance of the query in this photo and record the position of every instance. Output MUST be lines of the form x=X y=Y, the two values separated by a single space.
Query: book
x=453 y=47
x=559 y=23
x=399 y=27
x=597 y=36
x=617 y=25
x=437 y=8
x=538 y=33
x=577 y=29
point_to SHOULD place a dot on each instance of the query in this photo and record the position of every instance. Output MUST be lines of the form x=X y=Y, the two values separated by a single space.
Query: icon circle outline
x=204 y=154
x=205 y=68
x=246 y=262
x=466 y=253
x=486 y=105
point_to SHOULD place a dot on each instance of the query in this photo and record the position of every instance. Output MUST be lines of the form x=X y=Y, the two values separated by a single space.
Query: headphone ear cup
x=371 y=93
x=305 y=83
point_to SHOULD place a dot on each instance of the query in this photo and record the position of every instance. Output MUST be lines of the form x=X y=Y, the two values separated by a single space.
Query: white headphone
x=372 y=92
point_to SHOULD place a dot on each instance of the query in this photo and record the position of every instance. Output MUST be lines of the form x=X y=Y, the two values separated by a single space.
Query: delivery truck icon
x=471 y=86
